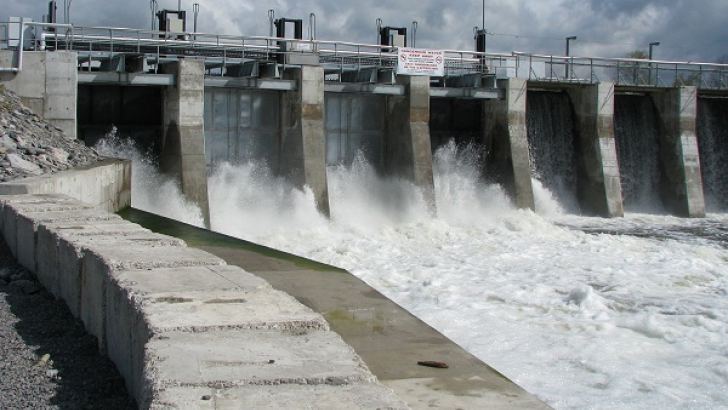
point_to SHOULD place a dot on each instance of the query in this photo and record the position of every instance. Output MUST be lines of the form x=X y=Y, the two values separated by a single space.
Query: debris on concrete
x=437 y=365
x=29 y=146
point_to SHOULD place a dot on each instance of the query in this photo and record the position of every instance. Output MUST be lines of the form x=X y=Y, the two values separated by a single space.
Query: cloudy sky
x=688 y=30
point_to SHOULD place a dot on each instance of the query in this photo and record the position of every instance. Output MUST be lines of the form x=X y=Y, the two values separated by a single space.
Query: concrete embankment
x=389 y=339
x=181 y=326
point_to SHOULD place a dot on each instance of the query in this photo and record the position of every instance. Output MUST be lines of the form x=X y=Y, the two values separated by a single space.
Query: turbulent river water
x=583 y=312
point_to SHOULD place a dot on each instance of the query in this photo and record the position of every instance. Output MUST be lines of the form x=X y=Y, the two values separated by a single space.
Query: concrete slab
x=13 y=205
x=27 y=223
x=321 y=397
x=61 y=247
x=239 y=358
x=101 y=261
x=126 y=329
x=192 y=299
x=190 y=279
x=474 y=393
x=263 y=309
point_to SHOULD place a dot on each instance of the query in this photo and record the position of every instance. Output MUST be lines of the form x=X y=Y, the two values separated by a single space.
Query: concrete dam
x=463 y=203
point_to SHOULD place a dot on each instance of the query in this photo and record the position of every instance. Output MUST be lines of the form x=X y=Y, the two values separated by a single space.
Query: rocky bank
x=29 y=146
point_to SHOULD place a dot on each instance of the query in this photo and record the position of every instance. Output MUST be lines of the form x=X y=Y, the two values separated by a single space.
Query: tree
x=634 y=72
x=638 y=54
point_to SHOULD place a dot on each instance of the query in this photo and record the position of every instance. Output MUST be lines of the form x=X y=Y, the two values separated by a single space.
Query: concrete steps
x=184 y=329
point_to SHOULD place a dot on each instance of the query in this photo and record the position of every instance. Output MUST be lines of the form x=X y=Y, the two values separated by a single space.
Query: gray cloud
x=688 y=30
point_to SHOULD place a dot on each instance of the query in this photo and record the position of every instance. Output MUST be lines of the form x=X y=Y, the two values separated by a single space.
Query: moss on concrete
x=200 y=237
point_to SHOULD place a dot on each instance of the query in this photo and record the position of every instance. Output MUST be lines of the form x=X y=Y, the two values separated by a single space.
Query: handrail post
x=617 y=82
x=700 y=76
x=552 y=68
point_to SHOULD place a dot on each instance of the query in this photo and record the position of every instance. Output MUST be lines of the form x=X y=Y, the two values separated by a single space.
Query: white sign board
x=417 y=61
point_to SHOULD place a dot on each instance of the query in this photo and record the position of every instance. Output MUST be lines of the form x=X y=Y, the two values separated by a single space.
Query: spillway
x=638 y=151
x=713 y=144
x=634 y=301
x=552 y=140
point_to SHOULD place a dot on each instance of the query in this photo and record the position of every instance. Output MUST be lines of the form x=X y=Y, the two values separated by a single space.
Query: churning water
x=713 y=141
x=638 y=151
x=552 y=142
x=583 y=312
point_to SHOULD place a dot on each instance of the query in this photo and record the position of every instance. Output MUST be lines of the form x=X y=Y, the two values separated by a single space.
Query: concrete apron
x=389 y=339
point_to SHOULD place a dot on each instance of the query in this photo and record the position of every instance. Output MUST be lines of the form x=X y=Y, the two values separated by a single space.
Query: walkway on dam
x=390 y=340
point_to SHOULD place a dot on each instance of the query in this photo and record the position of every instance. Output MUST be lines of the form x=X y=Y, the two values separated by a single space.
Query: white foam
x=582 y=320
x=152 y=191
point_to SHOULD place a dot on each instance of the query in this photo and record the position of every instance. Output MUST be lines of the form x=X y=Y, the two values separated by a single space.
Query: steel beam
x=131 y=79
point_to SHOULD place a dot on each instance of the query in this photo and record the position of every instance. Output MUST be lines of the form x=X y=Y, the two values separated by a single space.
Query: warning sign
x=417 y=61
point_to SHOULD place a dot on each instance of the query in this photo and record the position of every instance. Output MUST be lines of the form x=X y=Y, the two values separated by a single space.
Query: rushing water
x=552 y=142
x=713 y=142
x=638 y=151
x=583 y=312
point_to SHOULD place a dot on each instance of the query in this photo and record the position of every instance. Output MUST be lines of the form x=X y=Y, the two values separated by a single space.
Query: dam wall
x=298 y=121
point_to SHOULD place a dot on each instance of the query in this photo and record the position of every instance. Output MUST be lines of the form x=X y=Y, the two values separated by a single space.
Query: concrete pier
x=599 y=189
x=302 y=146
x=48 y=85
x=407 y=146
x=506 y=137
x=683 y=192
x=183 y=144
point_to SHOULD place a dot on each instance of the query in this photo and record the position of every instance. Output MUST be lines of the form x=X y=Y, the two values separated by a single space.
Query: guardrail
x=338 y=56
x=621 y=71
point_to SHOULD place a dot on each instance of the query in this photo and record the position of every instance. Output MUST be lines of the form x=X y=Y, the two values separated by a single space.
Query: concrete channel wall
x=105 y=185
x=47 y=85
x=184 y=329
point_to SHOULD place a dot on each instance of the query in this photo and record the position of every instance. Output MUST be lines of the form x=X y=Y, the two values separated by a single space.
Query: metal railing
x=220 y=51
x=621 y=71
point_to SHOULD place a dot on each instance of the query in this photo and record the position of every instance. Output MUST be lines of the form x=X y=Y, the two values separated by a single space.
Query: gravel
x=47 y=360
x=29 y=146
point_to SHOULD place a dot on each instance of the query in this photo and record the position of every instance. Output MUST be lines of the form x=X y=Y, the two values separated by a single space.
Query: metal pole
x=652 y=45
x=414 y=33
x=179 y=5
x=483 y=15
x=153 y=6
x=196 y=10
x=568 y=40
x=271 y=19
x=67 y=11
x=312 y=26
x=379 y=30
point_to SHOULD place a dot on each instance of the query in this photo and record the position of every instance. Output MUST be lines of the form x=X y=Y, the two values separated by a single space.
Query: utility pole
x=567 y=74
